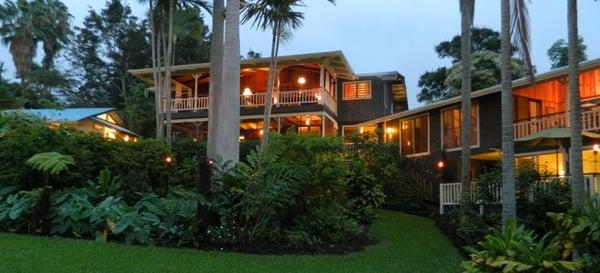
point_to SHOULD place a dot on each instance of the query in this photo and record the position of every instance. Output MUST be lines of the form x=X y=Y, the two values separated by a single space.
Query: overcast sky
x=386 y=35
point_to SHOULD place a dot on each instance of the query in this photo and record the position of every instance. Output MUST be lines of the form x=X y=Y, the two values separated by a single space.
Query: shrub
x=514 y=249
x=18 y=211
x=580 y=230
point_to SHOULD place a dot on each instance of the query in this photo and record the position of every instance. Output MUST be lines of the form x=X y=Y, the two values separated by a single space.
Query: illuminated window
x=107 y=117
x=357 y=90
x=451 y=123
x=414 y=135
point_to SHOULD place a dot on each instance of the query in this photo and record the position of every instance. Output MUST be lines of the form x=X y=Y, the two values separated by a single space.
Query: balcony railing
x=590 y=121
x=283 y=98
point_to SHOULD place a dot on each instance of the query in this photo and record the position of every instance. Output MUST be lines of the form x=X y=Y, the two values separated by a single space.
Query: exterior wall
x=354 y=111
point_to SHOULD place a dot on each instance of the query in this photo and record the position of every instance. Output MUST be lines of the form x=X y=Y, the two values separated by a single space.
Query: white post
x=195 y=104
x=441 y=201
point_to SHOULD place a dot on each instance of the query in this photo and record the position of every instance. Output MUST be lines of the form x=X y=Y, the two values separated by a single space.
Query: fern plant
x=50 y=162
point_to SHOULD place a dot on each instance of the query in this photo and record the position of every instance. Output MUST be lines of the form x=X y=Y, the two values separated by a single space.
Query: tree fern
x=50 y=162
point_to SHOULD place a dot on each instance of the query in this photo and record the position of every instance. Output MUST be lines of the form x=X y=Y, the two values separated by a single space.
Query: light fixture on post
x=247 y=92
x=301 y=80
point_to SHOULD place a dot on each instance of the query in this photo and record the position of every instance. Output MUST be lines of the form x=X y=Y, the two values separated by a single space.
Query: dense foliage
x=300 y=191
x=444 y=82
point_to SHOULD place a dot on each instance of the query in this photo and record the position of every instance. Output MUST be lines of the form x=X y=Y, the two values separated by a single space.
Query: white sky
x=385 y=35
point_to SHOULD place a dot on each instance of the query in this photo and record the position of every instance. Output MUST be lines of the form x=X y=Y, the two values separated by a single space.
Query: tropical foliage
x=445 y=82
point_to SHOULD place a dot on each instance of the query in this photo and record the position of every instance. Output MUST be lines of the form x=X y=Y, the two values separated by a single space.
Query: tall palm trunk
x=509 y=210
x=168 y=60
x=216 y=79
x=575 y=160
x=271 y=84
x=230 y=108
x=155 y=73
x=466 y=25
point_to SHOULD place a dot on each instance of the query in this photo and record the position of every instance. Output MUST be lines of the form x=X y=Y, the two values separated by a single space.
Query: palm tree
x=229 y=99
x=17 y=31
x=518 y=24
x=277 y=16
x=575 y=160
x=53 y=25
x=467 y=11
x=216 y=78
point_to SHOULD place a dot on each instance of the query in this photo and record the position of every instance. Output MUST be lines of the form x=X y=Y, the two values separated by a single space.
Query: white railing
x=450 y=193
x=590 y=120
x=284 y=98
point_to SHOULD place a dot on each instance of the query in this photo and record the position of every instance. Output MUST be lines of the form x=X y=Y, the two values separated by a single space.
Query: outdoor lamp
x=389 y=130
x=126 y=138
x=301 y=80
x=362 y=130
x=168 y=159
x=247 y=92
x=307 y=122
x=440 y=164
x=596 y=148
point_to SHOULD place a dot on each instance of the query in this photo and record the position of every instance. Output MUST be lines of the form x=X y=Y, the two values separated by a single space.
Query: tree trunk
x=466 y=25
x=575 y=160
x=155 y=73
x=270 y=85
x=509 y=208
x=229 y=116
x=216 y=78
x=168 y=59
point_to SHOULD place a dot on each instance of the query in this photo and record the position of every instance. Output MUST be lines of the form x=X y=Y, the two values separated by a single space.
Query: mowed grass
x=408 y=244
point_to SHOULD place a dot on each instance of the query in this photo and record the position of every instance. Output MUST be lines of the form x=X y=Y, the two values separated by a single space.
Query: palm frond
x=51 y=162
x=520 y=31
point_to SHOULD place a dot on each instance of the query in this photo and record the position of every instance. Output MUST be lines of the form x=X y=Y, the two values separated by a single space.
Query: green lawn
x=408 y=244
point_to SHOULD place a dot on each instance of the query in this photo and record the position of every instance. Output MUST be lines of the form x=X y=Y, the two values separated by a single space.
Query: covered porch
x=317 y=123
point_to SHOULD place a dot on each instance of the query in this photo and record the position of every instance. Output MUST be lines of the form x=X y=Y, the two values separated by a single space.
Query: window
x=451 y=122
x=357 y=90
x=414 y=135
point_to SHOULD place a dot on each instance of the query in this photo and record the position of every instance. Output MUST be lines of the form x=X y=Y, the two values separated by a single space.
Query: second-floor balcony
x=282 y=98
x=590 y=120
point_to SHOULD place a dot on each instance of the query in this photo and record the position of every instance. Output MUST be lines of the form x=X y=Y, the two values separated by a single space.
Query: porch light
x=362 y=130
x=247 y=92
x=195 y=140
x=135 y=139
x=261 y=132
x=440 y=164
x=307 y=122
x=301 y=80
x=126 y=138
x=561 y=172
x=242 y=138
x=168 y=159
x=596 y=148
x=389 y=130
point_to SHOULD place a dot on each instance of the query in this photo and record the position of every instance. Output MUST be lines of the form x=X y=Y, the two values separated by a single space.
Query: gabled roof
x=68 y=114
x=563 y=71
x=335 y=59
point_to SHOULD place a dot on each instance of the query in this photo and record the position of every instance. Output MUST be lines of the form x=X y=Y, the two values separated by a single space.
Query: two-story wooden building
x=433 y=131
x=314 y=93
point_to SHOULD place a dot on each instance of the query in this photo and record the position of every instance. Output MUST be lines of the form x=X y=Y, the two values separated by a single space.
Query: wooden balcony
x=590 y=122
x=283 y=98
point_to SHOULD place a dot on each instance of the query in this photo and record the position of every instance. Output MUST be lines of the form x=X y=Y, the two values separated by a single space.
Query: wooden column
x=195 y=104
x=322 y=83
x=322 y=120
